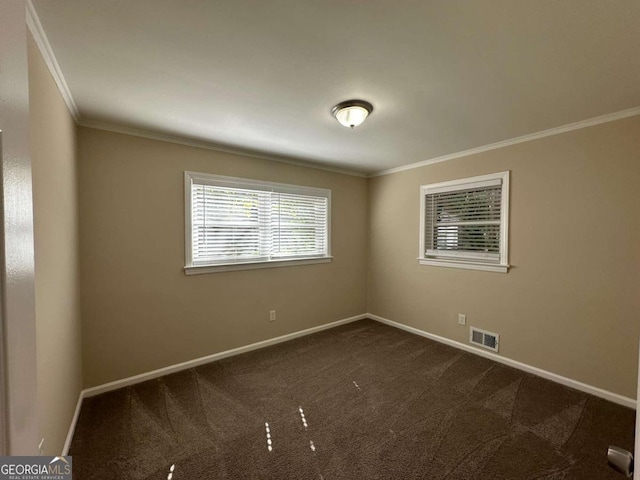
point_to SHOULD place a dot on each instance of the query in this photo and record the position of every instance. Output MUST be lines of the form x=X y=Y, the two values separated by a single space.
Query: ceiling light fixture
x=352 y=112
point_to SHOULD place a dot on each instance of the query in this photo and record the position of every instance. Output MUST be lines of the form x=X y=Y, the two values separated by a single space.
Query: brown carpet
x=361 y=401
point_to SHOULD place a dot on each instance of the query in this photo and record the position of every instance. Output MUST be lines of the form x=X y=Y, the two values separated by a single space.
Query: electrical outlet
x=41 y=447
x=272 y=316
x=462 y=319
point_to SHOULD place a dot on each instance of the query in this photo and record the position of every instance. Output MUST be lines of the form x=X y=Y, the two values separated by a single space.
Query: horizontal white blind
x=464 y=223
x=226 y=222
x=298 y=225
x=235 y=225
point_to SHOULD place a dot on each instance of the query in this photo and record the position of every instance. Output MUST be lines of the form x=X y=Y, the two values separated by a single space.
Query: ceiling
x=262 y=76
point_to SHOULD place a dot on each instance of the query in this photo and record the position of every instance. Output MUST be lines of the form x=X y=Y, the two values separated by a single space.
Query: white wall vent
x=484 y=339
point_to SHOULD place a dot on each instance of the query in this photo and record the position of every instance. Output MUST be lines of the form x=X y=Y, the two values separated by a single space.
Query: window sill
x=489 y=267
x=230 y=267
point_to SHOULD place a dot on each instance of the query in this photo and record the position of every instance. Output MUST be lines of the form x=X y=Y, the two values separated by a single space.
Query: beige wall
x=571 y=302
x=139 y=310
x=55 y=211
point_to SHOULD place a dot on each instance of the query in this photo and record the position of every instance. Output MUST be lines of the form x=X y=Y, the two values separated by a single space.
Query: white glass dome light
x=352 y=112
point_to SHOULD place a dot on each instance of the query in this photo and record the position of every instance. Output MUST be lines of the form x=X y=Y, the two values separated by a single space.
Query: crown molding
x=40 y=37
x=36 y=29
x=610 y=117
x=163 y=137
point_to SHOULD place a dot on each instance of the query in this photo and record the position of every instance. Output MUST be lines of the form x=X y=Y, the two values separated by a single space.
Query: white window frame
x=191 y=178
x=461 y=259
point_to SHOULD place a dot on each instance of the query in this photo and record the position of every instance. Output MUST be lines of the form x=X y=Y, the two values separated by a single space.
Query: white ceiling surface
x=444 y=76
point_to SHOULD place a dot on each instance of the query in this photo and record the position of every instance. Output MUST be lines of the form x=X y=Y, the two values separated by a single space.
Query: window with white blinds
x=464 y=223
x=238 y=222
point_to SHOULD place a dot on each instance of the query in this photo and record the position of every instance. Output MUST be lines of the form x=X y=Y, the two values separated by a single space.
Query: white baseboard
x=72 y=427
x=107 y=387
x=143 y=377
x=583 y=387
